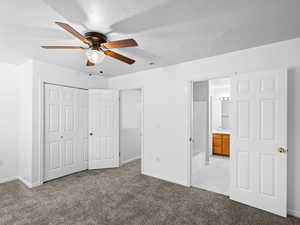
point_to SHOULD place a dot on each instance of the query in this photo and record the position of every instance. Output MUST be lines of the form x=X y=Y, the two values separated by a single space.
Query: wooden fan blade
x=89 y=63
x=74 y=32
x=120 y=44
x=119 y=57
x=63 y=47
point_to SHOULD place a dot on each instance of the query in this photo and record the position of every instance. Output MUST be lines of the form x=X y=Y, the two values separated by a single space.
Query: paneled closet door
x=65 y=131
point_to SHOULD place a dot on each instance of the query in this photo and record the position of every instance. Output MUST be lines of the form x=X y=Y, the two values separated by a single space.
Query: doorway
x=257 y=120
x=211 y=135
x=130 y=125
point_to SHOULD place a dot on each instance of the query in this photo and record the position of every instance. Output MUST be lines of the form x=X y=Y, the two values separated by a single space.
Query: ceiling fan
x=97 y=45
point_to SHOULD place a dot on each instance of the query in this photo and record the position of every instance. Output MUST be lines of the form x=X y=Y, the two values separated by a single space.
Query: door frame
x=189 y=94
x=41 y=120
x=189 y=131
x=142 y=123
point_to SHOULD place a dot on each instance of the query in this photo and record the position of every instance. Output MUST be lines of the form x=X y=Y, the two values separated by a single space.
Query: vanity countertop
x=221 y=131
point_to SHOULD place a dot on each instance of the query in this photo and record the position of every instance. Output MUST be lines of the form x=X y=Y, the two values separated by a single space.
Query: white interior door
x=65 y=131
x=259 y=130
x=104 y=128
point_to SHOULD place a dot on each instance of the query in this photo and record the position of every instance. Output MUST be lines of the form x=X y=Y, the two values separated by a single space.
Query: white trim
x=294 y=213
x=36 y=184
x=27 y=183
x=166 y=179
x=142 y=130
x=8 y=179
x=130 y=160
x=41 y=116
x=189 y=119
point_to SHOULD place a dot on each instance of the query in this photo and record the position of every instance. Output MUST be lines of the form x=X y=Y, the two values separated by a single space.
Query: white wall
x=165 y=102
x=24 y=135
x=130 y=125
x=8 y=122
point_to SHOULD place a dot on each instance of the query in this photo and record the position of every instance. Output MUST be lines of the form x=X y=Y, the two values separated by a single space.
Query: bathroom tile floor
x=213 y=177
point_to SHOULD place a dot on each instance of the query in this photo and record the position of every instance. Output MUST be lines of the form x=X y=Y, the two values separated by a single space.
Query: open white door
x=259 y=140
x=104 y=128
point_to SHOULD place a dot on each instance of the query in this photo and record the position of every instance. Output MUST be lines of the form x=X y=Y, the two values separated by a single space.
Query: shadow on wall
x=292 y=139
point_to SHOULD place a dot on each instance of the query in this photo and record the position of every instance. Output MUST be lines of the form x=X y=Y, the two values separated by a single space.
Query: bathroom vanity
x=221 y=143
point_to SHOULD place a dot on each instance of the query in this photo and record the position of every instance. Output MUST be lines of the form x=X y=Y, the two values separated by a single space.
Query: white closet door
x=104 y=129
x=259 y=140
x=65 y=132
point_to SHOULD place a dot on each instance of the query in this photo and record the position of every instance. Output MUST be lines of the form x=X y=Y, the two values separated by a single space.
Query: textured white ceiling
x=168 y=31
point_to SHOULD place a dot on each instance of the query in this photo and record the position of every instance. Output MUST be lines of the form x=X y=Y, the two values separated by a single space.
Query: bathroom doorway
x=210 y=156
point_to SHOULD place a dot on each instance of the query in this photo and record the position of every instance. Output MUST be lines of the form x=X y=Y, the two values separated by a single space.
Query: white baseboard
x=165 y=179
x=29 y=184
x=7 y=179
x=26 y=182
x=130 y=160
x=294 y=213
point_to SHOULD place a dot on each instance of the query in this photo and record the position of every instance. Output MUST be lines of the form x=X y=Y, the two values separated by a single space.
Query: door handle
x=281 y=150
x=91 y=134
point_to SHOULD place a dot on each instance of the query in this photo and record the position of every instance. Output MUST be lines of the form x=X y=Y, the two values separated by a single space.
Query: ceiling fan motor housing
x=96 y=38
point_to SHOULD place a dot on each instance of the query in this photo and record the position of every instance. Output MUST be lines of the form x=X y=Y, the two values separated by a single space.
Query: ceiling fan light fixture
x=94 y=56
x=96 y=42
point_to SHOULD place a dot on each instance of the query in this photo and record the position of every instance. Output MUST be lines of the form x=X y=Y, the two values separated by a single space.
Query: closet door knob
x=91 y=134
